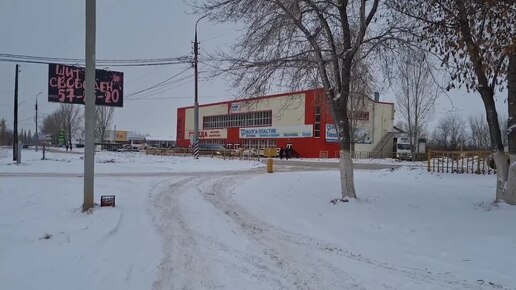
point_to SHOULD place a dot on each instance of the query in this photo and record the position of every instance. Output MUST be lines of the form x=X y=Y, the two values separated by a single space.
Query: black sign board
x=66 y=85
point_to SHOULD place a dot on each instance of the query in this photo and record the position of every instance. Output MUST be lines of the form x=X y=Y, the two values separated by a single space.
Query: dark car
x=216 y=149
x=25 y=146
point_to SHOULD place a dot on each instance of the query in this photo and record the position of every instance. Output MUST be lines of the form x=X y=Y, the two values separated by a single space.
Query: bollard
x=269 y=166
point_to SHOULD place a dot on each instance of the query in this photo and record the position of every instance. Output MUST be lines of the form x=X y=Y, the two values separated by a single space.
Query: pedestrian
x=287 y=153
x=66 y=147
x=281 y=152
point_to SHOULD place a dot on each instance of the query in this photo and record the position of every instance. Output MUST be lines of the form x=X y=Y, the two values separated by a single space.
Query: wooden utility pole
x=15 y=131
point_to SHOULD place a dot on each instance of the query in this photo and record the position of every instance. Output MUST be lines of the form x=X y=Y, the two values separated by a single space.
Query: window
x=262 y=118
x=317 y=122
x=360 y=115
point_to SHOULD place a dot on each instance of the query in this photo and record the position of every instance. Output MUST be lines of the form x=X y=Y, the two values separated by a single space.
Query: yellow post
x=270 y=165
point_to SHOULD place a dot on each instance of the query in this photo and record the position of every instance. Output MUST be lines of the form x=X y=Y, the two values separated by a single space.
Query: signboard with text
x=331 y=133
x=66 y=85
x=361 y=134
x=210 y=134
x=296 y=131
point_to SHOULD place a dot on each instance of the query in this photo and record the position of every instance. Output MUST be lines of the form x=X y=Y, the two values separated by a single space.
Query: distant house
x=160 y=142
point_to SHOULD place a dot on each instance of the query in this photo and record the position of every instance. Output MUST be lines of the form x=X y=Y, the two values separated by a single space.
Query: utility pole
x=196 y=85
x=15 y=131
x=89 y=113
x=37 y=136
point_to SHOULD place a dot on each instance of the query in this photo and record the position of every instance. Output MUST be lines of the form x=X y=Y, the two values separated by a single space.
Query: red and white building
x=301 y=120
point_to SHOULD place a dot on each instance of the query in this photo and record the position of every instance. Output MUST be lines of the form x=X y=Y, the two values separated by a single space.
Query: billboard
x=66 y=85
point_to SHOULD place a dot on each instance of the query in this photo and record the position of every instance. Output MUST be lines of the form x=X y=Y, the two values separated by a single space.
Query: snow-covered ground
x=228 y=225
x=115 y=162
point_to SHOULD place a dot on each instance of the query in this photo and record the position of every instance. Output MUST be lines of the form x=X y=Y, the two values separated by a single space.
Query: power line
x=102 y=62
x=162 y=83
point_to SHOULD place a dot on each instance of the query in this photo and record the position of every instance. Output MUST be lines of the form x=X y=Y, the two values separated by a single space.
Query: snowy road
x=212 y=242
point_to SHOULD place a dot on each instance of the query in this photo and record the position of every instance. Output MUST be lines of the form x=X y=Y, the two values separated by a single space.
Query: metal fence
x=224 y=154
x=473 y=162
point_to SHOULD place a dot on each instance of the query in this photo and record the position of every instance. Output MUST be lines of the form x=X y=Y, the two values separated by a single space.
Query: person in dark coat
x=281 y=152
x=287 y=153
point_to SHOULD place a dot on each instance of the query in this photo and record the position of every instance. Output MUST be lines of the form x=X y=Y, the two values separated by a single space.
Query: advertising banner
x=361 y=134
x=331 y=133
x=210 y=134
x=297 y=131
x=66 y=85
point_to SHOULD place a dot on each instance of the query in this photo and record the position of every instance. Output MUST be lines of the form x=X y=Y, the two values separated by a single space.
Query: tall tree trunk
x=510 y=193
x=346 y=162
x=499 y=156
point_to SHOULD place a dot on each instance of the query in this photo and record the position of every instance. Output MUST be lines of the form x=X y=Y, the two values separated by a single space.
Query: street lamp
x=36 y=107
x=196 y=100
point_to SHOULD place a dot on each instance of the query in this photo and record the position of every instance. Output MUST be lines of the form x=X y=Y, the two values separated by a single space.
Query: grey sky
x=129 y=29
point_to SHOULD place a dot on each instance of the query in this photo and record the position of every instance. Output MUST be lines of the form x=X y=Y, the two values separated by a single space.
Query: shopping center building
x=300 y=120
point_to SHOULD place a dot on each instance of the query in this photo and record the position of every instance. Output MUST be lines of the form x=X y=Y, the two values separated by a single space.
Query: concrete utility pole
x=89 y=114
x=15 y=131
x=196 y=101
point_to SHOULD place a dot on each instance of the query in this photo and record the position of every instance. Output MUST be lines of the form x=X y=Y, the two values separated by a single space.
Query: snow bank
x=117 y=162
x=46 y=241
x=440 y=229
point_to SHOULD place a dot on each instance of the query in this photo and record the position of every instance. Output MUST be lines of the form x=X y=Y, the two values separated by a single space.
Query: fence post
x=428 y=161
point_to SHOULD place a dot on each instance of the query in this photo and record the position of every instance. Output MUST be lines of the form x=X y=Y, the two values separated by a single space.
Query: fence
x=474 y=162
x=224 y=154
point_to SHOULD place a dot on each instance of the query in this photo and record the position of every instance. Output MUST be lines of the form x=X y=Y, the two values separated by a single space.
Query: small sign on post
x=61 y=137
x=107 y=200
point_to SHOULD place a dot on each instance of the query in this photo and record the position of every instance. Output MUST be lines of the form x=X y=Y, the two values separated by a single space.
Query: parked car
x=128 y=148
x=216 y=149
x=25 y=146
x=248 y=152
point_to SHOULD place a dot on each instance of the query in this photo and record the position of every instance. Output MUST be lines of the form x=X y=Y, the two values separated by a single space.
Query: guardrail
x=472 y=162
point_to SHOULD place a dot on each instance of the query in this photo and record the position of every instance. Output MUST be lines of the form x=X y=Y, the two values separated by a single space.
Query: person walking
x=281 y=152
x=287 y=153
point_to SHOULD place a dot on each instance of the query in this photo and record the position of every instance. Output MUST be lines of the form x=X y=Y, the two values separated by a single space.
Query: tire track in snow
x=195 y=258
x=220 y=196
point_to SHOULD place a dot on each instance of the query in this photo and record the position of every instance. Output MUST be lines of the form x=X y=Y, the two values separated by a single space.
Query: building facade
x=300 y=120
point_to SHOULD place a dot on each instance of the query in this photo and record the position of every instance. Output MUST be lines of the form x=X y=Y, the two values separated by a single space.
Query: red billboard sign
x=66 y=85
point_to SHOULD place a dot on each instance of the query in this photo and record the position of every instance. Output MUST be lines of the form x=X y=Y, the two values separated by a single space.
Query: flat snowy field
x=216 y=224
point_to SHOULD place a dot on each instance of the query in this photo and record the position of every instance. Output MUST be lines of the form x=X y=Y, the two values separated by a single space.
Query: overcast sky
x=131 y=29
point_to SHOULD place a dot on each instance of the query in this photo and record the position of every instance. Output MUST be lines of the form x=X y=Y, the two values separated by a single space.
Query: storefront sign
x=299 y=131
x=210 y=134
x=331 y=133
x=361 y=135
x=120 y=136
x=235 y=108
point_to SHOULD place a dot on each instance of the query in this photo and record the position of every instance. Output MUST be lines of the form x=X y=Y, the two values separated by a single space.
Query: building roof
x=272 y=96
x=160 y=138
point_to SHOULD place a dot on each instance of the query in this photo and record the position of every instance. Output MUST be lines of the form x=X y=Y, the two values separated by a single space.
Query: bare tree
x=450 y=133
x=510 y=195
x=5 y=134
x=474 y=39
x=52 y=124
x=104 y=116
x=415 y=93
x=287 y=42
x=72 y=120
x=478 y=133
